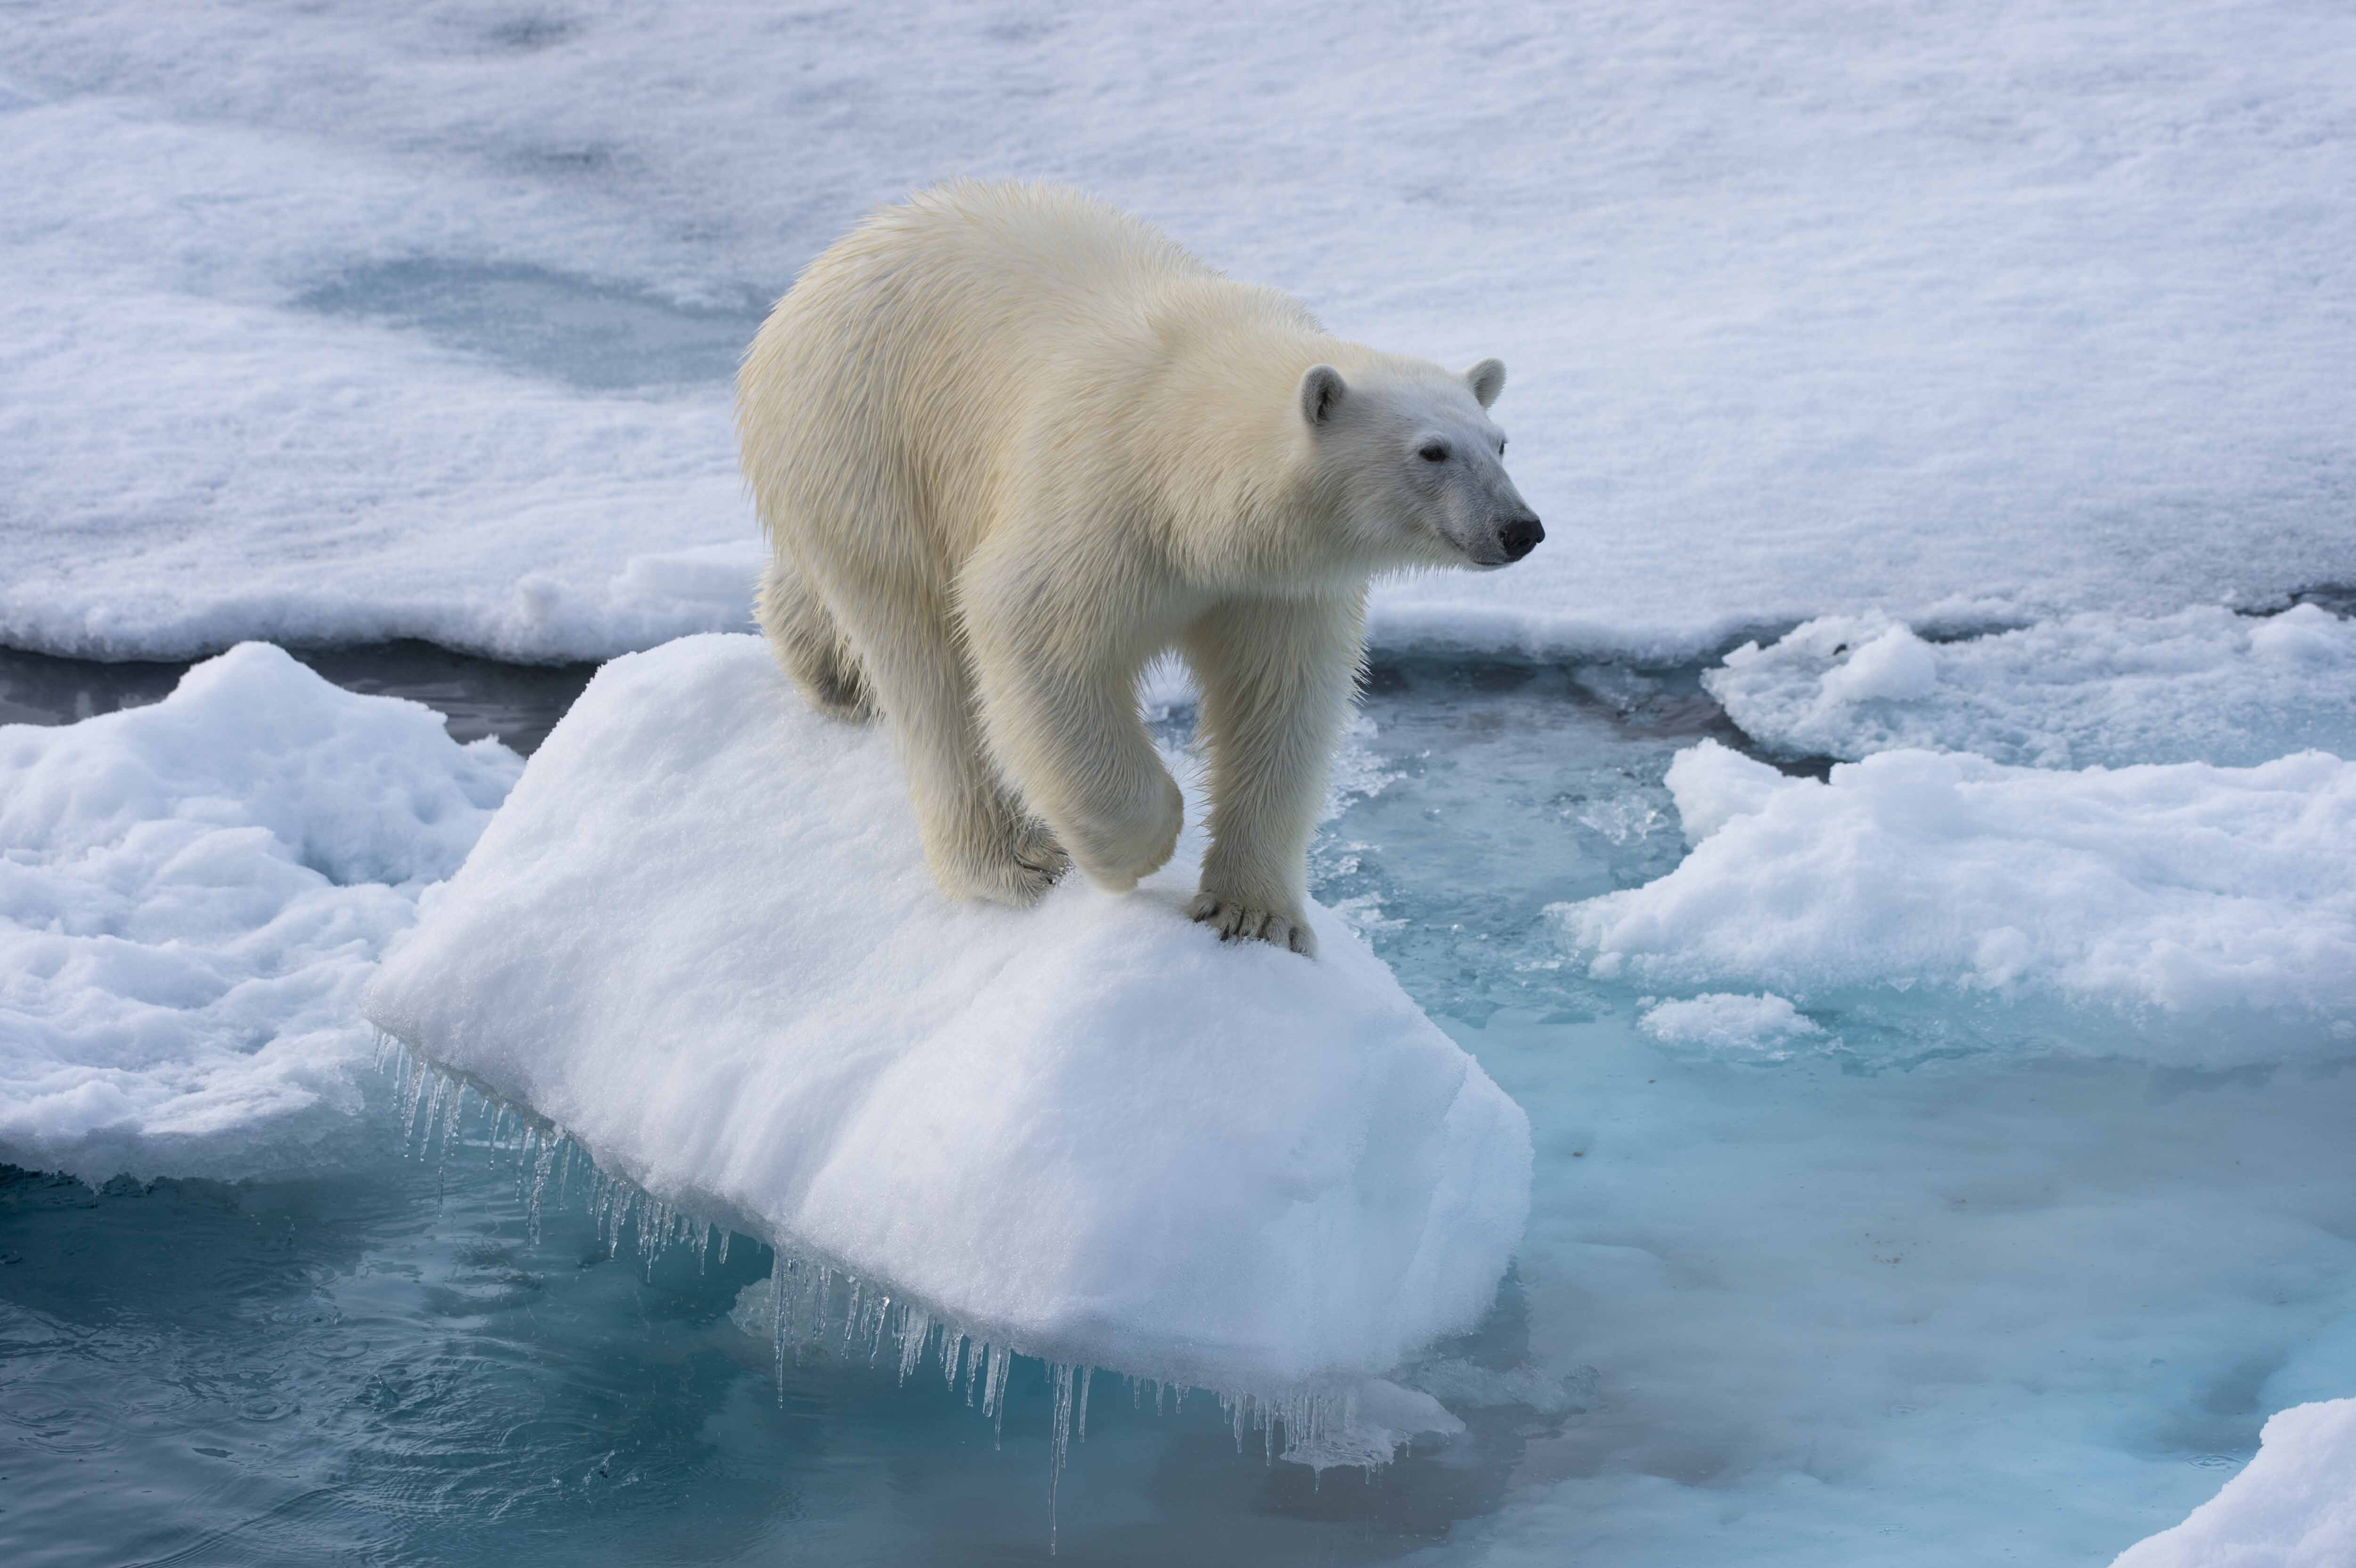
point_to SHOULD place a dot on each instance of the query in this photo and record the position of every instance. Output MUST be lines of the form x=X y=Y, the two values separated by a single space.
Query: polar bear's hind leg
x=809 y=644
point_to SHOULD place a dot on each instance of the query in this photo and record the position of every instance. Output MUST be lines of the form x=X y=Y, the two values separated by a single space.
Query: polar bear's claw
x=1035 y=847
x=998 y=858
x=1239 y=922
x=1016 y=881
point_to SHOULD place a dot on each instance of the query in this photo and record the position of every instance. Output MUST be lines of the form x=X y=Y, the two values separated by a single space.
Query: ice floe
x=330 y=323
x=2181 y=897
x=2292 y=1507
x=192 y=895
x=1721 y=1020
x=699 y=939
x=2203 y=685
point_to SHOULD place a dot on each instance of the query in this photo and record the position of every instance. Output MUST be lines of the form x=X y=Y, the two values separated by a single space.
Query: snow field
x=192 y=895
x=2210 y=910
x=2203 y=685
x=1980 y=317
x=701 y=940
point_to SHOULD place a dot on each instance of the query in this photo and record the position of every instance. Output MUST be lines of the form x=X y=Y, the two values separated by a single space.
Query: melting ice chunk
x=2293 y=1506
x=701 y=939
x=192 y=895
x=1763 y=1024
x=2189 y=898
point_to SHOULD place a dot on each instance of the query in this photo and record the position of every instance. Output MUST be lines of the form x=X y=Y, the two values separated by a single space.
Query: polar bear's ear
x=1321 y=390
x=1487 y=379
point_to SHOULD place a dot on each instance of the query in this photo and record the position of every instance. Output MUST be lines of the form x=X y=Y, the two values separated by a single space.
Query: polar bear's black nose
x=1520 y=537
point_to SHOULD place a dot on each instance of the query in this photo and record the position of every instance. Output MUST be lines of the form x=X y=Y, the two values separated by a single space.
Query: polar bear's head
x=1418 y=465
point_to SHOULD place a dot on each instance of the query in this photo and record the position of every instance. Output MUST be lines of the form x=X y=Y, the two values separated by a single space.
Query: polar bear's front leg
x=1277 y=677
x=1074 y=745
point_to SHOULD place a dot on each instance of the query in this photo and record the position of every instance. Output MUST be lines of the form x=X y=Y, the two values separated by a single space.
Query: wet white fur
x=1010 y=443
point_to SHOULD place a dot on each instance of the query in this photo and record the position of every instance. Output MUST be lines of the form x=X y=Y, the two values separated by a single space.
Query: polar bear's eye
x=1501 y=449
x=1433 y=451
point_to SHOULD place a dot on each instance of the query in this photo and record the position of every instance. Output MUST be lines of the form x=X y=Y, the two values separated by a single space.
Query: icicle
x=450 y=1118
x=915 y=1331
x=544 y=1163
x=1064 y=1379
x=781 y=1266
x=777 y=1320
x=1087 y=1373
x=850 y=1312
x=994 y=1397
x=1060 y=1442
x=725 y=1236
x=412 y=1090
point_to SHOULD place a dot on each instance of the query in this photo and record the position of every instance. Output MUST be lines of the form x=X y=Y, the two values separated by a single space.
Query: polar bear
x=1010 y=443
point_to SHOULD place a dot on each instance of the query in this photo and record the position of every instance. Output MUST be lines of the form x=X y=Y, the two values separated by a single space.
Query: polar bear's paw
x=1035 y=848
x=1237 y=920
x=1118 y=855
x=1008 y=875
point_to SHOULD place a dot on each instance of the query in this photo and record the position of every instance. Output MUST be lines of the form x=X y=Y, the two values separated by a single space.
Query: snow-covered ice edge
x=2294 y=1506
x=810 y=1300
x=2203 y=685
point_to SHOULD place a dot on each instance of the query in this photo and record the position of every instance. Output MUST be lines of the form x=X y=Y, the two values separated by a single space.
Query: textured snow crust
x=348 y=323
x=2293 y=1506
x=2214 y=908
x=2203 y=685
x=192 y=895
x=700 y=939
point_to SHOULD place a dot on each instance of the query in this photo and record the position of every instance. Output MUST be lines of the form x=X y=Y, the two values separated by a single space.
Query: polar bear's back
x=900 y=369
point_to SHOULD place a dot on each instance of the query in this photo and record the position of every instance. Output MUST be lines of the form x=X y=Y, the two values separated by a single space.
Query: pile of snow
x=700 y=939
x=343 y=321
x=2203 y=685
x=192 y=895
x=2184 y=896
x=2293 y=1506
x=1765 y=1025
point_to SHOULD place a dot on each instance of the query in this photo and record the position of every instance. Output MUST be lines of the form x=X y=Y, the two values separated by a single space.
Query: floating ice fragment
x=192 y=895
x=2293 y=1506
x=701 y=940
x=1719 y=1021
x=2211 y=908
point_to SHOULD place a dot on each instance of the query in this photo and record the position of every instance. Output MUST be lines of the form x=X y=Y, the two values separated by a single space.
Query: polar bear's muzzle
x=1520 y=537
